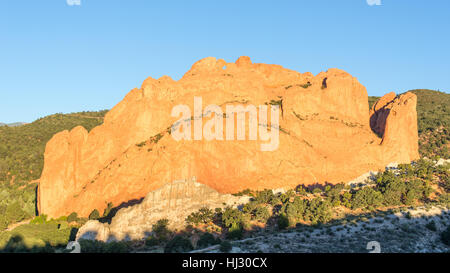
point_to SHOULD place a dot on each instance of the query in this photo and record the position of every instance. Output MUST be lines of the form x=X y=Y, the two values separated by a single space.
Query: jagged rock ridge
x=325 y=136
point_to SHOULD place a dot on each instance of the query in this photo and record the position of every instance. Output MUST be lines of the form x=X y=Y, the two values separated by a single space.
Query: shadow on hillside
x=16 y=244
x=113 y=211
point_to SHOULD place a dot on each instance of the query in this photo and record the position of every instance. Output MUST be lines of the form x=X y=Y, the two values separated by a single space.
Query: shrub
x=204 y=215
x=334 y=194
x=3 y=223
x=94 y=215
x=116 y=247
x=296 y=209
x=301 y=190
x=431 y=226
x=41 y=219
x=108 y=209
x=235 y=232
x=178 y=244
x=161 y=229
x=286 y=197
x=225 y=246
x=73 y=217
x=151 y=241
x=242 y=193
x=232 y=217
x=283 y=221
x=206 y=240
x=445 y=236
x=14 y=212
x=367 y=198
x=347 y=199
x=94 y=246
x=250 y=207
x=318 y=211
x=447 y=183
x=261 y=214
x=444 y=198
x=391 y=187
x=265 y=197
x=415 y=189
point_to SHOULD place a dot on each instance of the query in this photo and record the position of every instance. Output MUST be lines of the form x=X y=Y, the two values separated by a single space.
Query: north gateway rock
x=327 y=134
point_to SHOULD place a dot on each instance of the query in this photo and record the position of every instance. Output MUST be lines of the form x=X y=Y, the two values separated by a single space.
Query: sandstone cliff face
x=325 y=136
x=174 y=201
x=386 y=116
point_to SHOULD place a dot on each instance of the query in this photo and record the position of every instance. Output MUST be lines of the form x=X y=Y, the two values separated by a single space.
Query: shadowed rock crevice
x=379 y=112
x=378 y=121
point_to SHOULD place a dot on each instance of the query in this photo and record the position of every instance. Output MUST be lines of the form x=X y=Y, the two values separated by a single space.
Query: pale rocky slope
x=174 y=201
x=401 y=232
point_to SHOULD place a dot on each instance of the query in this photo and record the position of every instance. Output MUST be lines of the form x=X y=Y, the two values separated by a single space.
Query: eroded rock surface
x=325 y=136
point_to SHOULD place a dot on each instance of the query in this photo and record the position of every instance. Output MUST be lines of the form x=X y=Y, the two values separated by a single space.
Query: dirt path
x=13 y=226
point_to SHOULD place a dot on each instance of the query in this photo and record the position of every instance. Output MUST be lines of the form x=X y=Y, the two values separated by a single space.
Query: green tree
x=232 y=217
x=225 y=246
x=445 y=236
x=283 y=221
x=206 y=240
x=94 y=215
x=3 y=223
x=161 y=229
x=178 y=244
x=14 y=212
x=108 y=209
x=261 y=214
x=367 y=197
x=73 y=217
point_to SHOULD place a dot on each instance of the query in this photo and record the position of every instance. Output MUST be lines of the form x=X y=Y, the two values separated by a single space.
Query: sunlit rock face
x=326 y=134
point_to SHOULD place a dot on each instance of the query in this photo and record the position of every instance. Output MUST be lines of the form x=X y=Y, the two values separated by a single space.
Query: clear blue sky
x=60 y=58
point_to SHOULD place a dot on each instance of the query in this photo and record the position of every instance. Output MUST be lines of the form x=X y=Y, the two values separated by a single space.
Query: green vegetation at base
x=178 y=244
x=225 y=246
x=41 y=234
x=89 y=246
x=418 y=184
x=38 y=236
x=421 y=183
x=409 y=185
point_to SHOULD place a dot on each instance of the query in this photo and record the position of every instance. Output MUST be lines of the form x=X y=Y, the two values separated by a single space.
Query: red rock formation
x=325 y=135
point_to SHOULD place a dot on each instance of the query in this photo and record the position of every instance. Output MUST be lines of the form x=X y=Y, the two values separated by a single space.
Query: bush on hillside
x=178 y=244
